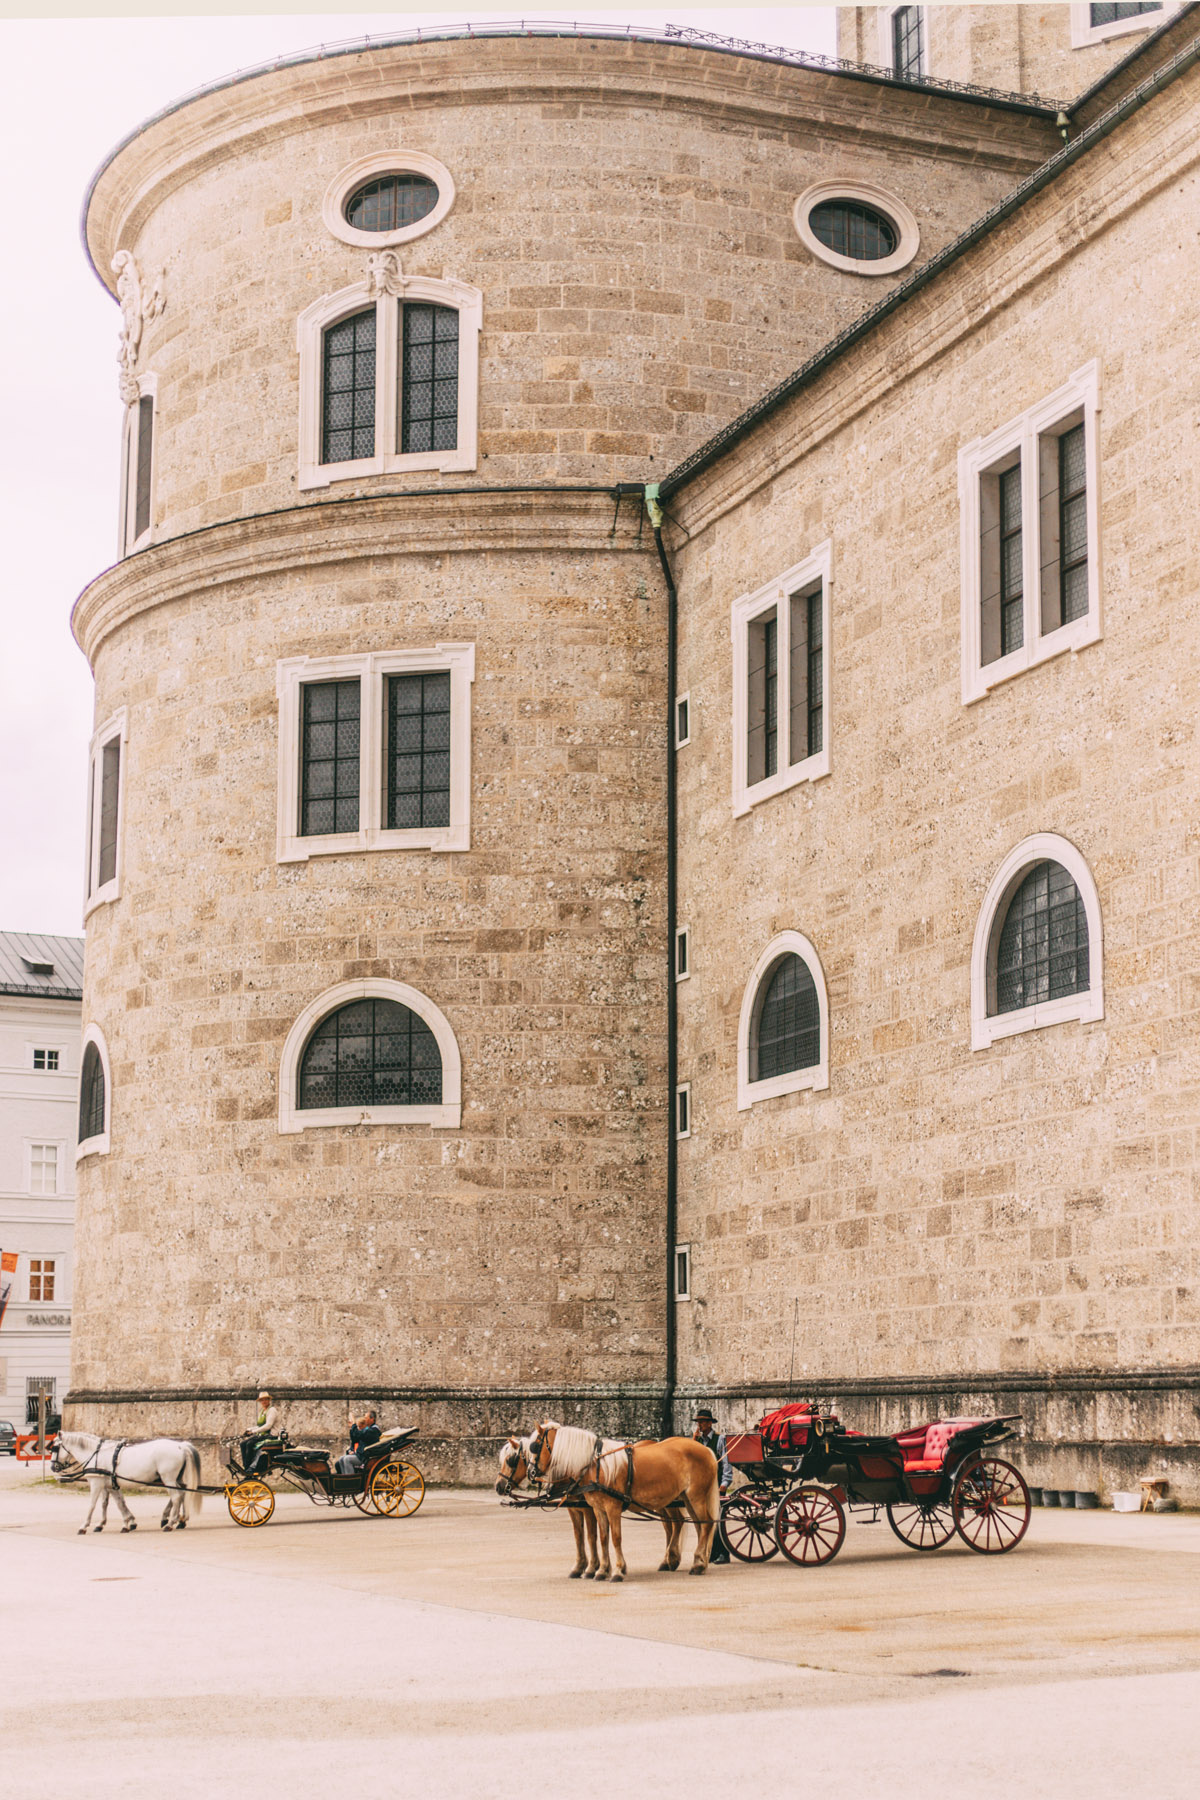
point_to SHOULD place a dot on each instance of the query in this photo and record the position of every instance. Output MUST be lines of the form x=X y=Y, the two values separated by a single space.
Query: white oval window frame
x=895 y=210
x=369 y=168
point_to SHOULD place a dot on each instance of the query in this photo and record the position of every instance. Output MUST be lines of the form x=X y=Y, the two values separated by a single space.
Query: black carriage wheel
x=922 y=1525
x=810 y=1526
x=991 y=1506
x=748 y=1527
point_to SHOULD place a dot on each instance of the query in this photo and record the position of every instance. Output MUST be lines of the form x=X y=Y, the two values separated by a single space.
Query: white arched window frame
x=100 y=1143
x=138 y=468
x=387 y=292
x=294 y=1118
x=986 y=1025
x=788 y=943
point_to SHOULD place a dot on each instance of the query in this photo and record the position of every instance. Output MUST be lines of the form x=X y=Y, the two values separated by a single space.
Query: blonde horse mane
x=574 y=1449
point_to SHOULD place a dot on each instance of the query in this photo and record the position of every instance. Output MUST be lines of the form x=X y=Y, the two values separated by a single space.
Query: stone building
x=600 y=715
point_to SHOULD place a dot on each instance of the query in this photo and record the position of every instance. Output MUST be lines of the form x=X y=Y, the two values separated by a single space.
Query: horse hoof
x=133 y=1524
x=83 y=1531
x=696 y=1569
x=601 y=1574
x=589 y=1574
x=575 y=1574
x=164 y=1526
x=663 y=1568
x=182 y=1525
x=97 y=1528
x=619 y=1576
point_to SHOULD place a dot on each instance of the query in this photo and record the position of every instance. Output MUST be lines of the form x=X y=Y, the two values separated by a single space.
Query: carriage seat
x=924 y=1453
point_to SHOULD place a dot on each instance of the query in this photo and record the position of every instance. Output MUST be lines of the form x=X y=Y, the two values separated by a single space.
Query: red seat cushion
x=932 y=1453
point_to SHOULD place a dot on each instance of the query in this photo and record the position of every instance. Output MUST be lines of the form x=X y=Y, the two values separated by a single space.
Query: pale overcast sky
x=70 y=88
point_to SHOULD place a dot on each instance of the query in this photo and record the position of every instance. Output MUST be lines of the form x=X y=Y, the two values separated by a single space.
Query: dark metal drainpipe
x=655 y=514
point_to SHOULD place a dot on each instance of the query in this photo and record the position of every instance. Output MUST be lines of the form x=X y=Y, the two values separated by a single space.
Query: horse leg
x=130 y=1523
x=706 y=1511
x=589 y=1524
x=674 y=1539
x=614 y=1525
x=601 y=1517
x=94 y=1492
x=164 y=1523
x=577 y=1528
x=665 y=1564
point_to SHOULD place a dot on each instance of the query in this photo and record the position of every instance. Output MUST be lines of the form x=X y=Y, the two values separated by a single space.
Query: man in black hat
x=706 y=1433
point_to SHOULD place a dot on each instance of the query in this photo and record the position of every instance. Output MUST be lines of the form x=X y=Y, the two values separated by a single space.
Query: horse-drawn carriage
x=803 y=1471
x=385 y=1483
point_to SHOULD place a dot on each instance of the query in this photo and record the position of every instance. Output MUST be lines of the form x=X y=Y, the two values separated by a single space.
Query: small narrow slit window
x=93 y=1098
x=683 y=954
x=683 y=1110
x=137 y=469
x=683 y=1271
x=683 y=721
x=105 y=809
x=781 y=687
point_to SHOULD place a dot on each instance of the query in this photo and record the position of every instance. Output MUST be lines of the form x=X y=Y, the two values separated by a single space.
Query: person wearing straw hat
x=257 y=1443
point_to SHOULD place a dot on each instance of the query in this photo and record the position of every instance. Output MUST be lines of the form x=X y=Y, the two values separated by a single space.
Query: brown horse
x=514 y=1472
x=666 y=1477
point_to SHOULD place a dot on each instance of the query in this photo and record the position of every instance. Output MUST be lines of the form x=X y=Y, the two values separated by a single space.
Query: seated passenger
x=363 y=1433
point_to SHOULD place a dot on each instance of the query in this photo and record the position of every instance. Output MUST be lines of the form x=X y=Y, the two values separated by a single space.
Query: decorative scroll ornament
x=138 y=304
x=384 y=274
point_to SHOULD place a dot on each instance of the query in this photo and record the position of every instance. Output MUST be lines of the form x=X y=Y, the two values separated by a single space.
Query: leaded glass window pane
x=1108 y=15
x=145 y=462
x=1043 y=951
x=1072 y=524
x=428 y=378
x=371 y=1053
x=329 y=757
x=851 y=229
x=348 y=390
x=91 y=1094
x=391 y=202
x=110 y=800
x=1012 y=610
x=417 y=792
x=762 y=676
x=789 y=1021
x=908 y=50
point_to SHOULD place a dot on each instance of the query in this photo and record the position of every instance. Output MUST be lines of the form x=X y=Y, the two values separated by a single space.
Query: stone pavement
x=326 y=1653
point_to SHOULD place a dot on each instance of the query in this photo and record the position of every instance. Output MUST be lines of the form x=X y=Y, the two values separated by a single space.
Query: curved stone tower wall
x=626 y=212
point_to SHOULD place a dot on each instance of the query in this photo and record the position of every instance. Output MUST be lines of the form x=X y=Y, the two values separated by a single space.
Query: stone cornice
x=246 y=115
x=1148 y=152
x=370 y=529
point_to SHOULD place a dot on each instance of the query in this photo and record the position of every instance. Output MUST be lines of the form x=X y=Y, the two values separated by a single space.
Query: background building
x=41 y=991
x=496 y=1013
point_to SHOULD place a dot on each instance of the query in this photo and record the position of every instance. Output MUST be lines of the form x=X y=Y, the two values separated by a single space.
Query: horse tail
x=193 y=1499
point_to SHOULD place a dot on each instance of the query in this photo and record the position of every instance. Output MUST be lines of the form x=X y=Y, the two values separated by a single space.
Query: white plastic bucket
x=1127 y=1502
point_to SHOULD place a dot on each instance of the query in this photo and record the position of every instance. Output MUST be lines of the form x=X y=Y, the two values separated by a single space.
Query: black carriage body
x=311 y=1471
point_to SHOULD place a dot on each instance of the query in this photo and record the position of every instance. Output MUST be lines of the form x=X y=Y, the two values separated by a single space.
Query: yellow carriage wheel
x=397 y=1488
x=250 y=1502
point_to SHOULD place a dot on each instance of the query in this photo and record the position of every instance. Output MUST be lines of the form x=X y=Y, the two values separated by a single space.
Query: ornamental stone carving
x=384 y=274
x=138 y=304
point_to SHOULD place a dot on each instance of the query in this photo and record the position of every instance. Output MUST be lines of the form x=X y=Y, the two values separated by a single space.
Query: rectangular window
x=428 y=378
x=41 y=1278
x=375 y=751
x=1109 y=15
x=348 y=389
x=329 y=757
x=683 y=1271
x=683 y=954
x=683 y=1110
x=105 y=810
x=45 y=1059
x=43 y=1168
x=418 y=751
x=908 y=47
x=145 y=456
x=781 y=683
x=1096 y=24
x=683 y=721
x=1030 y=524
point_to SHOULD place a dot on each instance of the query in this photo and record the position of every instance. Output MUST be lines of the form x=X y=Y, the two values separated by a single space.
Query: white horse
x=146 y=1462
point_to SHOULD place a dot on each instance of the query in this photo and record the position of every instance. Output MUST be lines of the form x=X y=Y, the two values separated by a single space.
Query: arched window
x=783 y=1035
x=95 y=1095
x=1036 y=959
x=370 y=1052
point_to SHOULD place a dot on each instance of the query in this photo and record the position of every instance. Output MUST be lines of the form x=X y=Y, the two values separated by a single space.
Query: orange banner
x=8 y=1269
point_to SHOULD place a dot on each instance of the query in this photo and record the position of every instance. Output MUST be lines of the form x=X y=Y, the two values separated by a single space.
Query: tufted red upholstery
x=928 y=1451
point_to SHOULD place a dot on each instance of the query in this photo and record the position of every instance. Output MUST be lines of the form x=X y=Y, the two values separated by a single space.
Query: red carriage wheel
x=748 y=1526
x=922 y=1526
x=810 y=1526
x=991 y=1506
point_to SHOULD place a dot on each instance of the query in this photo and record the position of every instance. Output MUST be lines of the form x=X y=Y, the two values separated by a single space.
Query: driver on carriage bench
x=256 y=1445
x=706 y=1433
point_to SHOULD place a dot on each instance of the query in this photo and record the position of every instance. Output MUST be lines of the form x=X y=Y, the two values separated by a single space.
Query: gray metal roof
x=20 y=949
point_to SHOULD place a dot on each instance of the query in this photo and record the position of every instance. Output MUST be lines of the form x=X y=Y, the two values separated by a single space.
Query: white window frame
x=887 y=47
x=777 y=593
x=369 y=168
x=371 y=671
x=101 y=1143
x=1083 y=32
x=387 y=294
x=293 y=1118
x=683 y=941
x=683 y=1291
x=1080 y=395
x=683 y=701
x=60 y=1147
x=113 y=729
x=795 y=1081
x=987 y=1028
x=683 y=1093
x=54 y=1258
x=128 y=539
x=32 y=1049
x=908 y=231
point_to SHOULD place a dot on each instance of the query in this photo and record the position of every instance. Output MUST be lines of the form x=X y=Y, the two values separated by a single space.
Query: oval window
x=850 y=228
x=391 y=202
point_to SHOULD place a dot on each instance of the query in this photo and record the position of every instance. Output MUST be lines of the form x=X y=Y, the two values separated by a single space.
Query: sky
x=70 y=88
